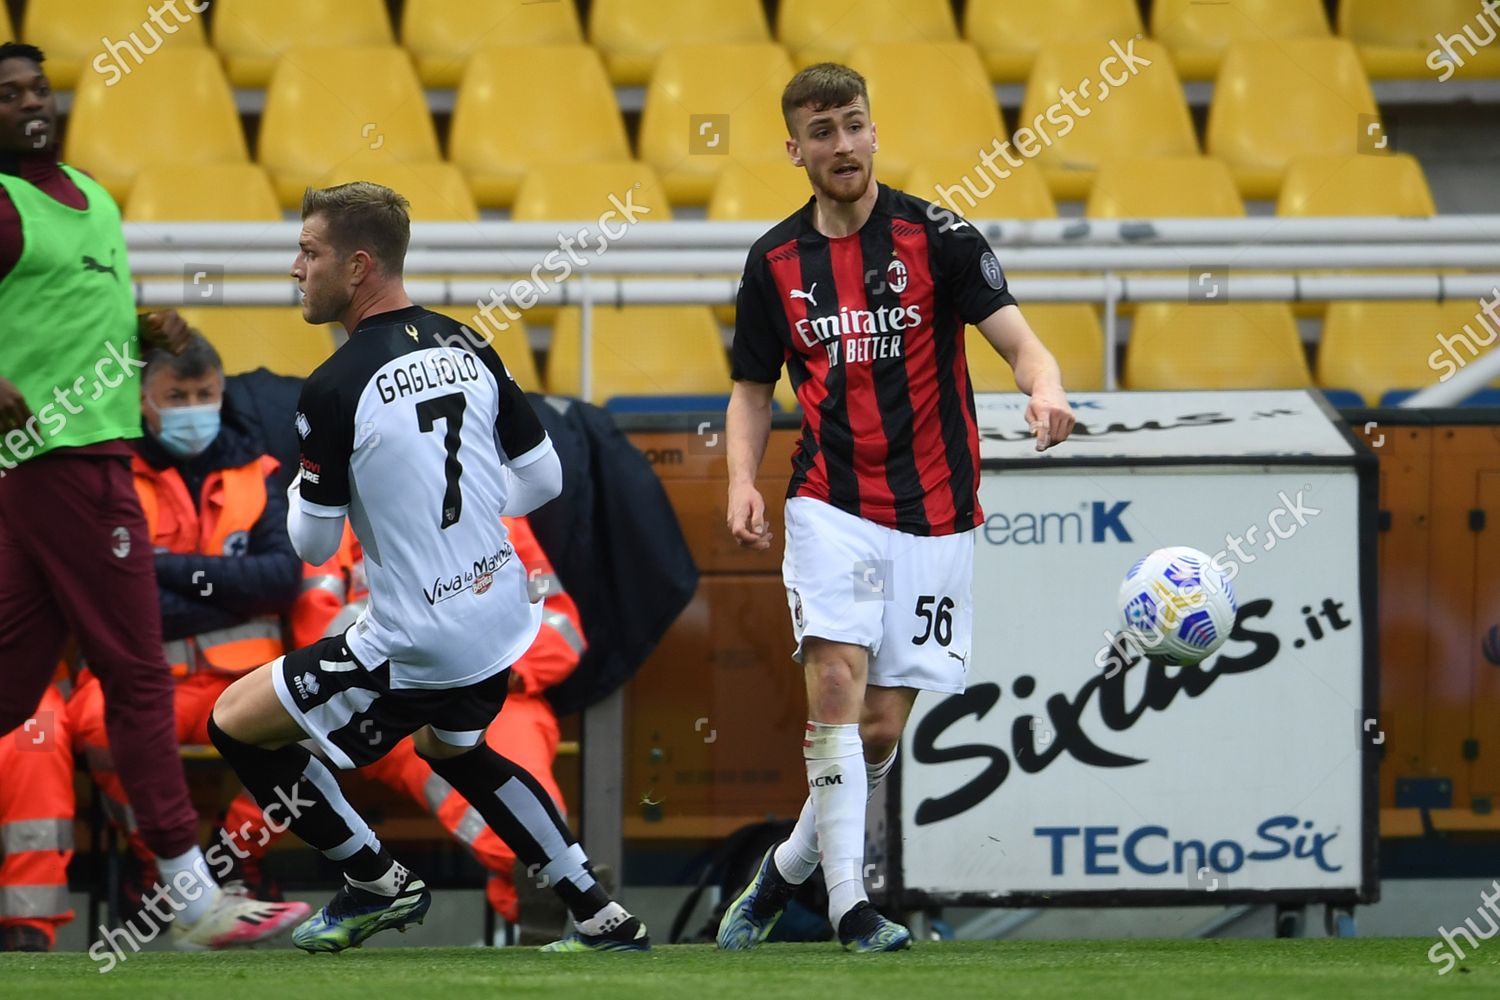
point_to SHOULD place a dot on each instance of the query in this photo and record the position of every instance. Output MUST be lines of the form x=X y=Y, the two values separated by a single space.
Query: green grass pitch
x=1340 y=969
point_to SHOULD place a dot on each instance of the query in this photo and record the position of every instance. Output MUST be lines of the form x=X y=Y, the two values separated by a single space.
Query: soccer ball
x=1176 y=605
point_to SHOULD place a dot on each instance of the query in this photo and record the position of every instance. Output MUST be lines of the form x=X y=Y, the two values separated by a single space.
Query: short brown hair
x=823 y=86
x=364 y=216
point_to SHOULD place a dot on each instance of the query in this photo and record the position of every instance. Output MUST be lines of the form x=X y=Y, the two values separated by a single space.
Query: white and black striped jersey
x=406 y=428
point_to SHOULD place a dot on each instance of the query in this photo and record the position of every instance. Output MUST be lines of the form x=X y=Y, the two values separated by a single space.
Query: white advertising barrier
x=1072 y=770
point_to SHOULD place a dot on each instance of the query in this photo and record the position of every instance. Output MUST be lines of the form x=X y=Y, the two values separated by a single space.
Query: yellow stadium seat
x=926 y=93
x=252 y=35
x=1069 y=330
x=1355 y=185
x=641 y=351
x=274 y=337
x=1145 y=115
x=501 y=130
x=7 y=33
x=1197 y=33
x=111 y=39
x=442 y=35
x=1371 y=347
x=708 y=105
x=1009 y=33
x=210 y=192
x=581 y=191
x=1176 y=345
x=325 y=106
x=1436 y=39
x=965 y=187
x=1163 y=187
x=1275 y=101
x=175 y=109
x=633 y=34
x=437 y=192
x=769 y=190
x=829 y=30
x=513 y=344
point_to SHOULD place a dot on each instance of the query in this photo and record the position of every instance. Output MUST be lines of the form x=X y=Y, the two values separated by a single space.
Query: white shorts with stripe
x=906 y=598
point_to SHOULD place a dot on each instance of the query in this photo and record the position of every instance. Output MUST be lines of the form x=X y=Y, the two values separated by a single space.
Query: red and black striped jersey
x=870 y=328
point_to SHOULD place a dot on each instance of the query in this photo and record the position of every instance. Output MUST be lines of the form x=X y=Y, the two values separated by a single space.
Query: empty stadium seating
x=314 y=120
x=632 y=34
x=1145 y=115
x=640 y=351
x=581 y=191
x=1197 y=33
x=252 y=35
x=1355 y=185
x=208 y=192
x=1009 y=34
x=513 y=343
x=1252 y=345
x=1437 y=39
x=176 y=110
x=442 y=35
x=759 y=189
x=828 y=30
x=1163 y=187
x=1277 y=100
x=1070 y=331
x=274 y=337
x=1371 y=347
x=918 y=91
x=500 y=130
x=965 y=187
x=436 y=191
x=708 y=104
x=107 y=38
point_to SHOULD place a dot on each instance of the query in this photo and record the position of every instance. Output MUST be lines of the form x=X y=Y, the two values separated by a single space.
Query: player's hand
x=747 y=518
x=166 y=329
x=1049 y=416
x=13 y=409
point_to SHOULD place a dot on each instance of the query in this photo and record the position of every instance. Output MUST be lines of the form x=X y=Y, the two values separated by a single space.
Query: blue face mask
x=187 y=430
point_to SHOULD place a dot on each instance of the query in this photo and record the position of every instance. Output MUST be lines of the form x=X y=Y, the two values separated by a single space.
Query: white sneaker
x=236 y=920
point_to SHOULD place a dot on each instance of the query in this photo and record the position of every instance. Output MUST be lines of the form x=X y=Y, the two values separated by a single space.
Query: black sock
x=294 y=788
x=523 y=815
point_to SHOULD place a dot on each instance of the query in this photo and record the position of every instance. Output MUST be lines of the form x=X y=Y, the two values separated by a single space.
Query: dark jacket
x=614 y=541
x=199 y=593
x=264 y=406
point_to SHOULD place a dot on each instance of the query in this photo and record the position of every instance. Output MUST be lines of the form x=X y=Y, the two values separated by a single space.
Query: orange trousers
x=525 y=731
x=36 y=819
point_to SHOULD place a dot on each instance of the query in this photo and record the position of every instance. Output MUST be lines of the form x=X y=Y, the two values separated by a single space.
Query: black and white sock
x=310 y=801
x=523 y=815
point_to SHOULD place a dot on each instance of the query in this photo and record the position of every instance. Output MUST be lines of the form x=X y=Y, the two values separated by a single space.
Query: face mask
x=187 y=430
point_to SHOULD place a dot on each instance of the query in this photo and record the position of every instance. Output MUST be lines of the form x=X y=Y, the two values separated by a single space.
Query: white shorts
x=906 y=598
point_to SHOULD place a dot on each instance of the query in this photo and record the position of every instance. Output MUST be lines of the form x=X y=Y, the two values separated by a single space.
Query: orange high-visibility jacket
x=231 y=502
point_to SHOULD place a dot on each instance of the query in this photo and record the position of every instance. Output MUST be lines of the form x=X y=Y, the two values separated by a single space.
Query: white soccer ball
x=1176 y=605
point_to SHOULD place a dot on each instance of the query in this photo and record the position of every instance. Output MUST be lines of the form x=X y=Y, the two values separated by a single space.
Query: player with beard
x=863 y=295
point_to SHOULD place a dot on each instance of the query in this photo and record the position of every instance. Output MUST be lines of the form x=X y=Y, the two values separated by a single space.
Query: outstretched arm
x=1048 y=414
x=747 y=428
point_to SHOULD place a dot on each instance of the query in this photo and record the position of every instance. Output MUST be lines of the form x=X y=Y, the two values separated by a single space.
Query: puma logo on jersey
x=798 y=293
x=92 y=264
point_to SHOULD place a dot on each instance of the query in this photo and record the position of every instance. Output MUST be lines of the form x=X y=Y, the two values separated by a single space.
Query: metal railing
x=698 y=263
